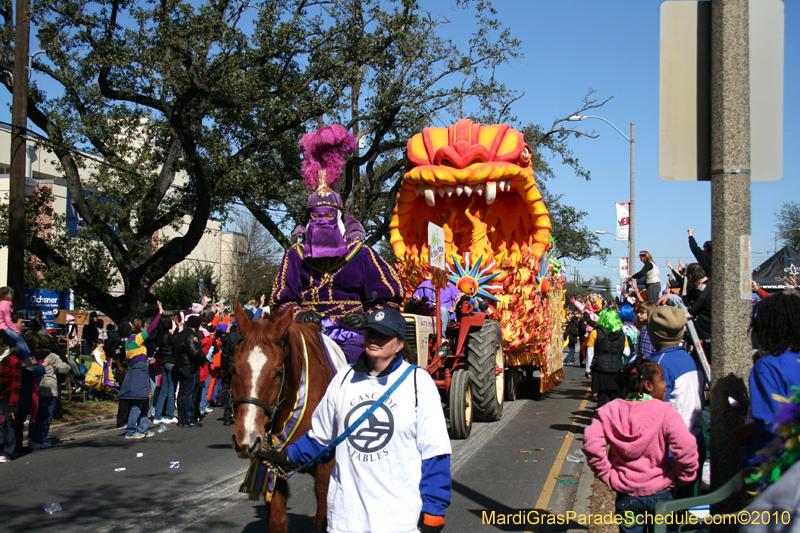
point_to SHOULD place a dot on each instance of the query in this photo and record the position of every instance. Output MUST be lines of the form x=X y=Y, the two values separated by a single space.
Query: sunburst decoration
x=473 y=280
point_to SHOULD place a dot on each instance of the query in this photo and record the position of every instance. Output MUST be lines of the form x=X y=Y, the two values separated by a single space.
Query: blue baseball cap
x=387 y=321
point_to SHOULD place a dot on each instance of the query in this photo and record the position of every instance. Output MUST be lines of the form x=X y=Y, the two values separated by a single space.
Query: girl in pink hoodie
x=641 y=431
x=7 y=325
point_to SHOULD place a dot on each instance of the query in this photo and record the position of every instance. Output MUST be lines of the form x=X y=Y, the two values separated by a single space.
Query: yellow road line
x=550 y=483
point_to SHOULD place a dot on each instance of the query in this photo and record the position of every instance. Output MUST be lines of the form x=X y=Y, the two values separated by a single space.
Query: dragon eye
x=525 y=156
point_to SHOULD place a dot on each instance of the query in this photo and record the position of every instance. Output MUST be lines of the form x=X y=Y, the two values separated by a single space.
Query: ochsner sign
x=48 y=301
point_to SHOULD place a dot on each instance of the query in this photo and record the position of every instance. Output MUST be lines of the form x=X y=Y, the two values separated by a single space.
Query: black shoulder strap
x=348 y=372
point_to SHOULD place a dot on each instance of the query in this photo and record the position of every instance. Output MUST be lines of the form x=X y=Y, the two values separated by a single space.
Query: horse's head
x=258 y=380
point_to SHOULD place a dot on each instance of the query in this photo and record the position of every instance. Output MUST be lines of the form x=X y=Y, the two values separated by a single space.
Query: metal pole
x=15 y=273
x=730 y=215
x=438 y=315
x=632 y=208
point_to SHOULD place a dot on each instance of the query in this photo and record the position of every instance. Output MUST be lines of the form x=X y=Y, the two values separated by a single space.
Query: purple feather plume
x=325 y=149
x=788 y=413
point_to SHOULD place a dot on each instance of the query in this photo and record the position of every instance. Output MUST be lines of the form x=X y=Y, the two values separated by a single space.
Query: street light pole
x=631 y=205
x=15 y=273
x=632 y=209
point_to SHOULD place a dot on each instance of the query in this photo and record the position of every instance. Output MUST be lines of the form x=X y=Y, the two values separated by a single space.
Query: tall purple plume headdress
x=324 y=151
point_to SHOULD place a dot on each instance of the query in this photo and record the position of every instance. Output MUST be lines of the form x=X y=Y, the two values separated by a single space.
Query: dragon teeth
x=489 y=187
x=430 y=197
x=491 y=192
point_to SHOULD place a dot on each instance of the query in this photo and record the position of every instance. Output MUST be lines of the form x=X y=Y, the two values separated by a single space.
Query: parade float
x=477 y=183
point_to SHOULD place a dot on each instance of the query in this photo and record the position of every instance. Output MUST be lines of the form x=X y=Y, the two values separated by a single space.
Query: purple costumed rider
x=332 y=278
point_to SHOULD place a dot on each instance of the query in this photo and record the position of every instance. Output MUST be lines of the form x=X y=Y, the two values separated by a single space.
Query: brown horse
x=268 y=366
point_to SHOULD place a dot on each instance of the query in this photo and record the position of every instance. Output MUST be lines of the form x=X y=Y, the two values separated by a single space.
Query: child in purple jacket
x=641 y=430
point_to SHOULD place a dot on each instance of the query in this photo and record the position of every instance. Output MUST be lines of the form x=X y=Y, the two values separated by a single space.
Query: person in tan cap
x=682 y=374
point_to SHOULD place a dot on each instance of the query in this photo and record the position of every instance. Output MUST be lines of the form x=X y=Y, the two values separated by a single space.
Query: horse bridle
x=269 y=410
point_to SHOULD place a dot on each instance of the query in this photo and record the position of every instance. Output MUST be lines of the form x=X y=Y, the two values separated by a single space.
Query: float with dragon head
x=476 y=181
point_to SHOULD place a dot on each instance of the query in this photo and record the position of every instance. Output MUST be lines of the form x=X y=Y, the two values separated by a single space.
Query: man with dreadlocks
x=775 y=330
x=332 y=278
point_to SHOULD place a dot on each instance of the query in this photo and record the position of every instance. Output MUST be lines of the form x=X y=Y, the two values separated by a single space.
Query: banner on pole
x=623 y=220
x=623 y=267
x=436 y=246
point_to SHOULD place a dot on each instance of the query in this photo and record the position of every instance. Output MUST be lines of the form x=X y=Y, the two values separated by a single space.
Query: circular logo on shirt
x=374 y=433
x=379 y=316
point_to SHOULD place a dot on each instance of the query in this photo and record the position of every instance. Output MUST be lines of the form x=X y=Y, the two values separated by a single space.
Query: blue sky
x=613 y=47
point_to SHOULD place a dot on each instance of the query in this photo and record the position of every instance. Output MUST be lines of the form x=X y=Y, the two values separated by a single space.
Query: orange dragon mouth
x=477 y=183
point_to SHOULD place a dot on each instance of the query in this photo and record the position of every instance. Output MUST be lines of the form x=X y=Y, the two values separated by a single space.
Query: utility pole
x=730 y=204
x=19 y=119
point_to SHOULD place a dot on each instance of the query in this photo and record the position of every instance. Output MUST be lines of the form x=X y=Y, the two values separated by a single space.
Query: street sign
x=685 y=91
x=436 y=246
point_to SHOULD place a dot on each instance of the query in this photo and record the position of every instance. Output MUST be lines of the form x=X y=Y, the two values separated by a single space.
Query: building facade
x=217 y=247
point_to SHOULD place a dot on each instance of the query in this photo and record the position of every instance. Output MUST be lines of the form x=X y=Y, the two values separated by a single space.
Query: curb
x=583 y=495
x=84 y=421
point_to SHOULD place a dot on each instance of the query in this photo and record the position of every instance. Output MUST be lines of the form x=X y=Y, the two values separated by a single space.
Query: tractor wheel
x=513 y=378
x=460 y=405
x=484 y=357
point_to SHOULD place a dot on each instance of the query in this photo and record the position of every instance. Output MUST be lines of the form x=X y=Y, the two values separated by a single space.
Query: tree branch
x=265 y=220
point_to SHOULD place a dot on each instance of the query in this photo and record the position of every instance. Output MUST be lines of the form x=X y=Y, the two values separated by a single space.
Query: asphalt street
x=188 y=479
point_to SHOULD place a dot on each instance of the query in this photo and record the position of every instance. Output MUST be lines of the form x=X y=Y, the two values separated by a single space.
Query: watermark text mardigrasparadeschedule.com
x=535 y=518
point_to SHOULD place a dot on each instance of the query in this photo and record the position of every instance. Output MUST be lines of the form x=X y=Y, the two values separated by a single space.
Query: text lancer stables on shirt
x=386 y=451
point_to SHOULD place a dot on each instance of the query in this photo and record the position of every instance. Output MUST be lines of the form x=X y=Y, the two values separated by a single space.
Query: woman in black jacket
x=166 y=393
x=189 y=356
x=604 y=355
x=572 y=339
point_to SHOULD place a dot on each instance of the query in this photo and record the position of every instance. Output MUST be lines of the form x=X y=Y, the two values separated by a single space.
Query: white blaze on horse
x=269 y=371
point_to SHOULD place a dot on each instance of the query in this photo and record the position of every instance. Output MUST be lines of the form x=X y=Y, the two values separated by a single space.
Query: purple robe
x=335 y=286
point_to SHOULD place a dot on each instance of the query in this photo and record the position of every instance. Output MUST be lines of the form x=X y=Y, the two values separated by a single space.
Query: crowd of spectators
x=172 y=368
x=176 y=366
x=654 y=344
